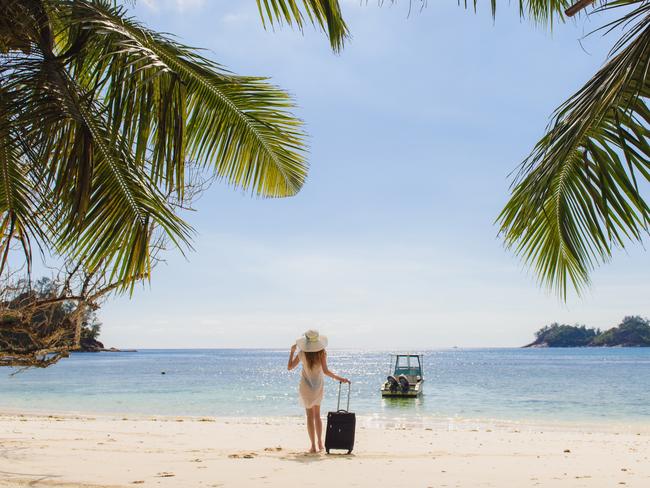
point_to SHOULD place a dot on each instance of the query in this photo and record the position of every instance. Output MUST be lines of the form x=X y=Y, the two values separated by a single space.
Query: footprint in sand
x=165 y=474
x=248 y=455
x=273 y=449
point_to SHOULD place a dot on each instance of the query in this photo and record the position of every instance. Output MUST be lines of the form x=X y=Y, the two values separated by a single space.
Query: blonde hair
x=314 y=358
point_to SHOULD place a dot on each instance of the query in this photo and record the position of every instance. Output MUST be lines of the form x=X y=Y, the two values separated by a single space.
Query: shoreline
x=367 y=420
x=114 y=451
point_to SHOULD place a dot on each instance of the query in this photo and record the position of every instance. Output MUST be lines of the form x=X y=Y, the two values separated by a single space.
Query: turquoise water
x=587 y=385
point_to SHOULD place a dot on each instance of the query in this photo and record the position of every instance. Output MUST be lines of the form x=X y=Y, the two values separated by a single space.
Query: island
x=633 y=331
x=90 y=339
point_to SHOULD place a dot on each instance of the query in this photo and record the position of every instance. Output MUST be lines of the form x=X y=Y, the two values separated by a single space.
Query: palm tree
x=578 y=196
x=103 y=124
x=98 y=116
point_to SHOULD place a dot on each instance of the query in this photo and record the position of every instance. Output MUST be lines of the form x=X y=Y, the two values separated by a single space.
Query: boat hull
x=414 y=391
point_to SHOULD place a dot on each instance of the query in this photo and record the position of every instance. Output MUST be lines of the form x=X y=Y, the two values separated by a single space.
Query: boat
x=407 y=379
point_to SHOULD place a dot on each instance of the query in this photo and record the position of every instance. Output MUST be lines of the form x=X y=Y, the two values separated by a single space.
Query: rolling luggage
x=340 y=426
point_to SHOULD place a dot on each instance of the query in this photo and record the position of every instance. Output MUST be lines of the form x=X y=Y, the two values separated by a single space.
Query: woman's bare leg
x=318 y=424
x=310 y=428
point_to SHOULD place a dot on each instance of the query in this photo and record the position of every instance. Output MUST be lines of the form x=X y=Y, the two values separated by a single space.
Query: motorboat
x=406 y=379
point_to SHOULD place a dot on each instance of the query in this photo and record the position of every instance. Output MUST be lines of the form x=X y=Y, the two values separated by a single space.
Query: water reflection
x=397 y=403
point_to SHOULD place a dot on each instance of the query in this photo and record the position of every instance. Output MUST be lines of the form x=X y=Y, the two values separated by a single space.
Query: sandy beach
x=116 y=451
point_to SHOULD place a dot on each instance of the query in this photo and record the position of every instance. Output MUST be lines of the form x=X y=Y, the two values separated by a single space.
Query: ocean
x=567 y=385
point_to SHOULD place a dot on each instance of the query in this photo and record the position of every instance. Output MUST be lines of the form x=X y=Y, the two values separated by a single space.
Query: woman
x=313 y=357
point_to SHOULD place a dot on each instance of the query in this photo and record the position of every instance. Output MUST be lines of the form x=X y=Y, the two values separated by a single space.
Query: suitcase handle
x=338 y=402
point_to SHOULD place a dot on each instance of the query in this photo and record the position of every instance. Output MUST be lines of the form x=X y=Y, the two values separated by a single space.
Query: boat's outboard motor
x=404 y=383
x=393 y=384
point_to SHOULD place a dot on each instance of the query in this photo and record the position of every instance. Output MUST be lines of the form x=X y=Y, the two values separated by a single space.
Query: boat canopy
x=408 y=364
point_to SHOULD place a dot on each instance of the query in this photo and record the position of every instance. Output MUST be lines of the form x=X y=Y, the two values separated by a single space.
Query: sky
x=413 y=131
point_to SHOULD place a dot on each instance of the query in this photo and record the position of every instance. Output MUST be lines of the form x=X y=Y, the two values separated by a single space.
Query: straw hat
x=312 y=341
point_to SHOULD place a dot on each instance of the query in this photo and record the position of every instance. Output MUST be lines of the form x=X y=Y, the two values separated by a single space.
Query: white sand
x=102 y=451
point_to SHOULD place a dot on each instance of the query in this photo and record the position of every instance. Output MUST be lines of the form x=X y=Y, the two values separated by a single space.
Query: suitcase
x=340 y=426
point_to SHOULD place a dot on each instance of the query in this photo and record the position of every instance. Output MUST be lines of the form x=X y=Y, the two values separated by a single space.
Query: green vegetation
x=99 y=116
x=556 y=335
x=108 y=129
x=633 y=331
x=579 y=194
x=41 y=322
x=91 y=329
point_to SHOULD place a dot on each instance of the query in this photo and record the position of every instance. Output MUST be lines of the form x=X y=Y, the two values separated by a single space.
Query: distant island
x=90 y=338
x=633 y=331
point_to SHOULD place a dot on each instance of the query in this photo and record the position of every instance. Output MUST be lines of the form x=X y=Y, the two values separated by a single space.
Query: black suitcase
x=340 y=426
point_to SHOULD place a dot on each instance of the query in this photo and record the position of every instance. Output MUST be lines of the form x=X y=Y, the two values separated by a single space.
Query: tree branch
x=577 y=7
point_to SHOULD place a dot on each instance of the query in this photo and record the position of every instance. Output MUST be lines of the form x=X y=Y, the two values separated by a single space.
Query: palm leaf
x=183 y=104
x=106 y=206
x=104 y=114
x=324 y=13
x=18 y=201
x=577 y=195
x=123 y=206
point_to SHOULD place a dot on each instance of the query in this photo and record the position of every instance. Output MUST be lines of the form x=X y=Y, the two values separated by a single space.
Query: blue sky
x=413 y=130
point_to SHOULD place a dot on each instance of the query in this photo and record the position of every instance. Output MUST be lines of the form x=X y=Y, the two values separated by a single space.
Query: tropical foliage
x=42 y=321
x=98 y=116
x=562 y=335
x=39 y=324
x=108 y=131
x=633 y=331
x=324 y=13
x=579 y=194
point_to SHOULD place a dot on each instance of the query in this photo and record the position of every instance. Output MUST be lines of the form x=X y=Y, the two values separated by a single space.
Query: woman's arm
x=329 y=373
x=293 y=361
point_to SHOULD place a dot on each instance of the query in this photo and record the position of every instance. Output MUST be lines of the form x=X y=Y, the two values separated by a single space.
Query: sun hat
x=312 y=341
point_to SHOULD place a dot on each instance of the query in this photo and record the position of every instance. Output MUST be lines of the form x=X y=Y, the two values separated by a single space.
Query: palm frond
x=577 y=195
x=545 y=12
x=104 y=115
x=18 y=203
x=165 y=96
x=105 y=205
x=122 y=207
x=324 y=13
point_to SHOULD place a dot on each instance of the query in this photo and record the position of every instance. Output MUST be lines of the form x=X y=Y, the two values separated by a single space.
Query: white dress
x=311 y=383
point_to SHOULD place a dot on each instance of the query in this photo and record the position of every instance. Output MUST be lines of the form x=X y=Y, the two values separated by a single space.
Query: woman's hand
x=293 y=361
x=344 y=380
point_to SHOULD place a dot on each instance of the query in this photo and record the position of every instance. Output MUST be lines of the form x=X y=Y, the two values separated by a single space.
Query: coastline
x=373 y=421
x=88 y=450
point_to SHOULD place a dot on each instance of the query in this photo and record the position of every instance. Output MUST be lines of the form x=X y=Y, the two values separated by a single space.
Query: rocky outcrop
x=90 y=345
x=93 y=345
